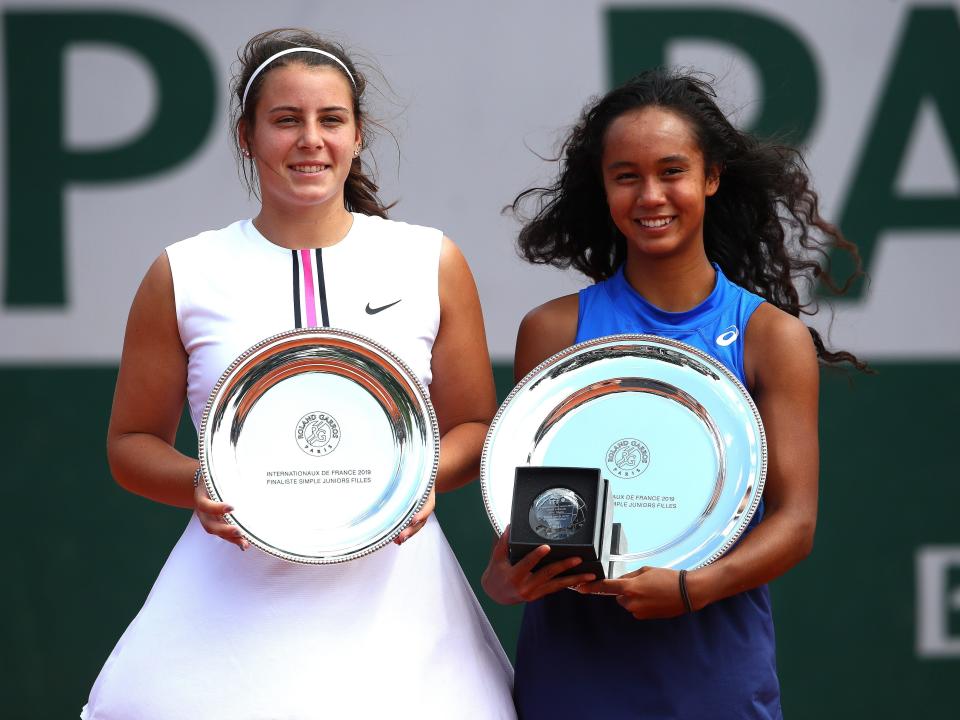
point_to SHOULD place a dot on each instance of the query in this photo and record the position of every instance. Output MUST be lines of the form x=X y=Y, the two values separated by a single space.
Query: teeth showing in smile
x=309 y=168
x=655 y=222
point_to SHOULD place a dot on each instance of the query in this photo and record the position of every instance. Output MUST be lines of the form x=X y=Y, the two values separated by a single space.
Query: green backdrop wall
x=82 y=553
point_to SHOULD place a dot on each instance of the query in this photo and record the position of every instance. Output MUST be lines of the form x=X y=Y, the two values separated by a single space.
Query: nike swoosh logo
x=374 y=311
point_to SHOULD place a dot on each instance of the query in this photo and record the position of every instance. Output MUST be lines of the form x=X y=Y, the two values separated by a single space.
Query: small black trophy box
x=568 y=508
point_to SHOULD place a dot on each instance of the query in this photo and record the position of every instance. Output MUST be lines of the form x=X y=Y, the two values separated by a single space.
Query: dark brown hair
x=762 y=226
x=360 y=190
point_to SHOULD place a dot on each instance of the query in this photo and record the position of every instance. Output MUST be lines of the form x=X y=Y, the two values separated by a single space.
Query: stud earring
x=356 y=151
x=246 y=153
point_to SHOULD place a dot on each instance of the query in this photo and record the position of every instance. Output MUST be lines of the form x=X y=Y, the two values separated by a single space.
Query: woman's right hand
x=511 y=584
x=211 y=517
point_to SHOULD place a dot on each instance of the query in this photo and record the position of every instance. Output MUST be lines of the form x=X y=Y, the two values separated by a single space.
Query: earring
x=356 y=151
x=246 y=153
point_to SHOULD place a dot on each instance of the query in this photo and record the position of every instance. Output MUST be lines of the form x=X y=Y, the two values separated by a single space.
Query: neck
x=314 y=227
x=674 y=284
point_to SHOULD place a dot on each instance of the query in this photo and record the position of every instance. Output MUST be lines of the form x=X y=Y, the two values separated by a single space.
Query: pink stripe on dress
x=309 y=297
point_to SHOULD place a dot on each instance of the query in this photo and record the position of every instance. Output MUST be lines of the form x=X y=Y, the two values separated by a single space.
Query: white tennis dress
x=244 y=635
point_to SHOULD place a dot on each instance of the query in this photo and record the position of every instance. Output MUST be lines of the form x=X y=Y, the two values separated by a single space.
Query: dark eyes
x=666 y=172
x=330 y=120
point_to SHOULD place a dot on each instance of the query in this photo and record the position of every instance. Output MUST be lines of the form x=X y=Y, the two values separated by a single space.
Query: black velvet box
x=573 y=515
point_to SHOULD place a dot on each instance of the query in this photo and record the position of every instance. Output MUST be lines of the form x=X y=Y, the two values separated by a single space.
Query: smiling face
x=656 y=182
x=304 y=137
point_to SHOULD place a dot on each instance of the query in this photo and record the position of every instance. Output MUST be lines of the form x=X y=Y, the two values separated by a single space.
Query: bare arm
x=147 y=404
x=462 y=391
x=781 y=367
x=149 y=396
x=545 y=330
x=782 y=371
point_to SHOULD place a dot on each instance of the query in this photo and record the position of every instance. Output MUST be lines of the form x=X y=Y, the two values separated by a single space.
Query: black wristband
x=683 y=591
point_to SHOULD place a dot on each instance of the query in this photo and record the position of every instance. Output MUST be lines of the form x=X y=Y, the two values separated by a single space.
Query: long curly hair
x=762 y=226
x=360 y=190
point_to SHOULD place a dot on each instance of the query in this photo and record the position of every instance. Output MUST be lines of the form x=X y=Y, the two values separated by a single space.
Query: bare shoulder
x=771 y=328
x=559 y=310
x=159 y=276
x=451 y=257
x=776 y=343
x=154 y=305
x=454 y=271
x=544 y=331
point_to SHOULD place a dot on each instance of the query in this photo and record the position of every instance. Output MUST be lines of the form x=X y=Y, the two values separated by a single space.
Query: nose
x=311 y=134
x=650 y=193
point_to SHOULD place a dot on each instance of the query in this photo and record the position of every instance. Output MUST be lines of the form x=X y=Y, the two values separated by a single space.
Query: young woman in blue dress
x=694 y=230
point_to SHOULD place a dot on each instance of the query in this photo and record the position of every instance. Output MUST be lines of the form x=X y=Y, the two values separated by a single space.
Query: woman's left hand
x=646 y=593
x=419 y=520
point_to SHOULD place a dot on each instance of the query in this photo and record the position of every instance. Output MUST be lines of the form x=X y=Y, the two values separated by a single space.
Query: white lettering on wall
x=936 y=600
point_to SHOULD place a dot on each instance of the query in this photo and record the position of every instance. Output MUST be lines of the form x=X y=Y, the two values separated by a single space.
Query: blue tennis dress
x=584 y=655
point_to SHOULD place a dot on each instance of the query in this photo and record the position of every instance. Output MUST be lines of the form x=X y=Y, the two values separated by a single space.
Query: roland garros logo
x=318 y=434
x=628 y=458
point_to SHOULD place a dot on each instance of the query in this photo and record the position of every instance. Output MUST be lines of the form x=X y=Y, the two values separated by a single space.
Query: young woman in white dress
x=229 y=631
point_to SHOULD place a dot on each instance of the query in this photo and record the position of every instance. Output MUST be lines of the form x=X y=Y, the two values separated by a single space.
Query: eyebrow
x=294 y=108
x=664 y=160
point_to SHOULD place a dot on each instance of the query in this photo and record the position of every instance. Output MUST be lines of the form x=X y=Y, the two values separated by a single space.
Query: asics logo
x=374 y=311
x=728 y=336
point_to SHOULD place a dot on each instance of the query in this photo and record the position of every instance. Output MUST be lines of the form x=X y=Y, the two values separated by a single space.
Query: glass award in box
x=568 y=508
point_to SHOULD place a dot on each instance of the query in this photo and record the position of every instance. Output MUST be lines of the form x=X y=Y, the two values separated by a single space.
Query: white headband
x=243 y=101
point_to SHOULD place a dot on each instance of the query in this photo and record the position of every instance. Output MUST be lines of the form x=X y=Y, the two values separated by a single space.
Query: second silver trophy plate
x=323 y=441
x=675 y=433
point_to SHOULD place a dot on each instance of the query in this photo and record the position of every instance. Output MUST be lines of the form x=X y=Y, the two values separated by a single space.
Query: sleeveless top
x=717 y=663
x=244 y=635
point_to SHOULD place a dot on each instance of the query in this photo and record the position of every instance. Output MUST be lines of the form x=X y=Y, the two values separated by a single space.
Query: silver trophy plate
x=323 y=441
x=675 y=433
